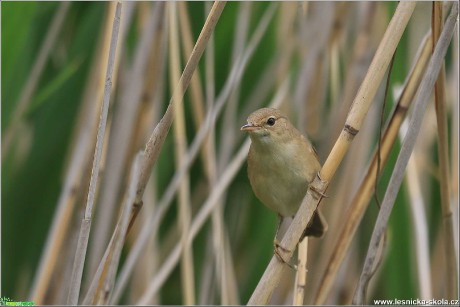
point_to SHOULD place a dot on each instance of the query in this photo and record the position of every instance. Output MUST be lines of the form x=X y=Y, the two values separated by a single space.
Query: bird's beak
x=249 y=127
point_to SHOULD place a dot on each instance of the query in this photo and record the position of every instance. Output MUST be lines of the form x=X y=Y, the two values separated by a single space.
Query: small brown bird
x=281 y=165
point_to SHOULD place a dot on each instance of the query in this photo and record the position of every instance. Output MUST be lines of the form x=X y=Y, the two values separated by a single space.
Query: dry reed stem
x=354 y=121
x=196 y=95
x=126 y=17
x=356 y=70
x=365 y=191
x=229 y=121
x=152 y=92
x=156 y=140
x=105 y=291
x=225 y=179
x=152 y=226
x=231 y=283
x=419 y=224
x=82 y=244
x=301 y=274
x=34 y=76
x=97 y=290
x=420 y=104
x=63 y=235
x=96 y=287
x=198 y=109
x=111 y=259
x=122 y=129
x=369 y=87
x=443 y=156
x=99 y=275
x=147 y=264
x=285 y=35
x=262 y=88
x=180 y=149
x=82 y=147
x=316 y=93
x=354 y=166
x=206 y=209
x=334 y=74
x=222 y=255
x=345 y=187
x=317 y=29
x=196 y=92
x=153 y=146
x=226 y=281
x=207 y=281
x=454 y=136
x=218 y=227
x=196 y=89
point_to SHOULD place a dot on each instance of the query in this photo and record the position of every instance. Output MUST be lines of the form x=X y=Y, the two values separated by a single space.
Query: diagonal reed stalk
x=206 y=209
x=156 y=140
x=121 y=132
x=358 y=111
x=366 y=189
x=152 y=225
x=100 y=290
x=420 y=104
x=419 y=222
x=154 y=144
x=106 y=285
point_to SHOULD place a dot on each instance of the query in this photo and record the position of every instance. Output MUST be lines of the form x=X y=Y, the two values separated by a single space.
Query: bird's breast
x=279 y=177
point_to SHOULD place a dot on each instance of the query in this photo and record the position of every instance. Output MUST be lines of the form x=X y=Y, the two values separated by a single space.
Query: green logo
x=6 y=301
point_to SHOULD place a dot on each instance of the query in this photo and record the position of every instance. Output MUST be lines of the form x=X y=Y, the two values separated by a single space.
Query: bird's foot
x=315 y=190
x=278 y=249
x=318 y=192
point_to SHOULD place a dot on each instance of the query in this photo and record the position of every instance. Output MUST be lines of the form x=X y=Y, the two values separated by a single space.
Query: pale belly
x=281 y=191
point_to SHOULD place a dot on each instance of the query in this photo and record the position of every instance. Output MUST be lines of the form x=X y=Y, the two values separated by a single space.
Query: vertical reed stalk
x=180 y=149
x=301 y=274
x=122 y=129
x=441 y=117
x=82 y=244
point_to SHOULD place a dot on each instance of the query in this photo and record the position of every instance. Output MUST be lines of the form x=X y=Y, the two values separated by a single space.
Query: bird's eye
x=271 y=121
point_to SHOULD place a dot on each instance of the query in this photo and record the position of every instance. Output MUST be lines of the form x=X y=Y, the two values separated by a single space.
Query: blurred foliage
x=30 y=190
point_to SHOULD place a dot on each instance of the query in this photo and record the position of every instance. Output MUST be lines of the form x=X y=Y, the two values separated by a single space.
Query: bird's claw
x=315 y=190
x=277 y=247
x=318 y=174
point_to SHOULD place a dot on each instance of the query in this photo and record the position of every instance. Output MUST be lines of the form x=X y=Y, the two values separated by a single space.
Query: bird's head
x=268 y=125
